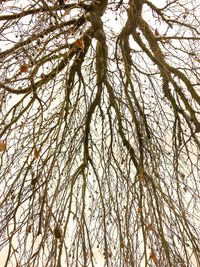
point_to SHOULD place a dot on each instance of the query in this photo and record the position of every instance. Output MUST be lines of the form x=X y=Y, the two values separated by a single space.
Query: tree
x=99 y=136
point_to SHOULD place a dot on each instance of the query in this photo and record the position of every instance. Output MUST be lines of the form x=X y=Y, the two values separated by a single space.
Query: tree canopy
x=99 y=133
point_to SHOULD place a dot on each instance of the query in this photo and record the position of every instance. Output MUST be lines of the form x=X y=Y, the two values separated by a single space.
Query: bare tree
x=99 y=137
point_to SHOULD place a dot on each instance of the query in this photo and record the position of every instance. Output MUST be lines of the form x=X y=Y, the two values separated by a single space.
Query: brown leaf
x=58 y=231
x=122 y=244
x=182 y=175
x=150 y=226
x=153 y=256
x=34 y=181
x=141 y=175
x=28 y=229
x=185 y=188
x=140 y=210
x=2 y=146
x=42 y=75
x=66 y=12
x=24 y=68
x=156 y=32
x=36 y=153
x=107 y=254
x=80 y=43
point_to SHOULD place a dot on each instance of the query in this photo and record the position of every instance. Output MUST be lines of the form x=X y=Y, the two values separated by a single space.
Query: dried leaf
x=182 y=175
x=141 y=175
x=150 y=226
x=153 y=256
x=107 y=254
x=193 y=54
x=156 y=32
x=80 y=43
x=140 y=210
x=28 y=229
x=36 y=153
x=185 y=188
x=122 y=244
x=34 y=181
x=58 y=231
x=2 y=146
x=66 y=12
x=42 y=75
x=24 y=68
